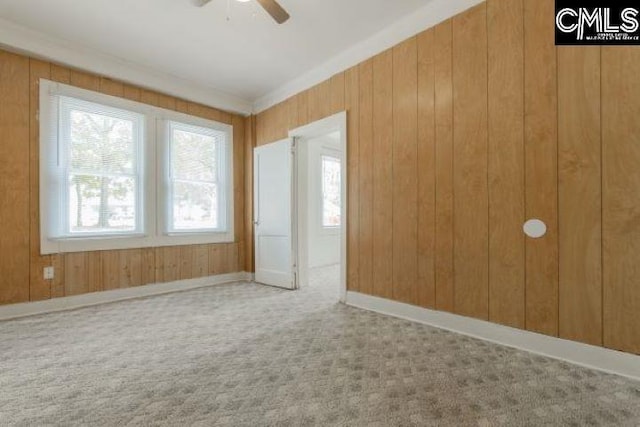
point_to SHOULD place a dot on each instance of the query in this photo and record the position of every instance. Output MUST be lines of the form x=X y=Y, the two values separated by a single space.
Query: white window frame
x=154 y=164
x=63 y=190
x=225 y=175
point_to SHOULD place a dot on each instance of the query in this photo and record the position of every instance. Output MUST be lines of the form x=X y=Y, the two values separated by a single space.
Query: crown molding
x=23 y=40
x=426 y=17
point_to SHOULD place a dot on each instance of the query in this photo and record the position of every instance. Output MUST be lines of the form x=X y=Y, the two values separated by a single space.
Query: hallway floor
x=326 y=279
x=247 y=355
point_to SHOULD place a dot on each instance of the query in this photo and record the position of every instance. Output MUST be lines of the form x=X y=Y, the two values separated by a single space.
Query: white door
x=273 y=216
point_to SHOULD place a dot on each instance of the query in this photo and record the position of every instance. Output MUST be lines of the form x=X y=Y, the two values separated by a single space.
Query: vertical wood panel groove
x=405 y=171
x=365 y=162
x=426 y=170
x=14 y=185
x=541 y=166
x=352 y=98
x=621 y=191
x=524 y=153
x=443 y=64
x=602 y=278
x=471 y=203
x=506 y=162
x=580 y=194
x=383 y=174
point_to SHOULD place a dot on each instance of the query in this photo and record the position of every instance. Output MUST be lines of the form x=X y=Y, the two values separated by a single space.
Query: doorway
x=321 y=190
x=300 y=207
x=320 y=212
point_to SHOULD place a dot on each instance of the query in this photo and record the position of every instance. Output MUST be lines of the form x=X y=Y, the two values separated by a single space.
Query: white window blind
x=99 y=150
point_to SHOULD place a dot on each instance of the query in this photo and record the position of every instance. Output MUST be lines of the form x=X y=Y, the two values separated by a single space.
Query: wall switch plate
x=48 y=273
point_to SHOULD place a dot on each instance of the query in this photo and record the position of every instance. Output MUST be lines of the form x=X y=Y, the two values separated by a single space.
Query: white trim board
x=33 y=43
x=602 y=359
x=86 y=300
x=433 y=13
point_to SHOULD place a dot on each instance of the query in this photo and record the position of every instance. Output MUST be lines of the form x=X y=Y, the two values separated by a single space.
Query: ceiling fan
x=272 y=7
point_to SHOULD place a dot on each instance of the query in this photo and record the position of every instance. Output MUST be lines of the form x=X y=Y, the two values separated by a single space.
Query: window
x=197 y=178
x=117 y=174
x=100 y=161
x=331 y=192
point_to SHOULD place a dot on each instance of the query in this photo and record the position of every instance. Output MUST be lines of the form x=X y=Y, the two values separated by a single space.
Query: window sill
x=97 y=237
x=106 y=243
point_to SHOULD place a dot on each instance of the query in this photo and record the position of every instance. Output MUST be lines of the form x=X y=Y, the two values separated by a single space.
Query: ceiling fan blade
x=200 y=3
x=275 y=10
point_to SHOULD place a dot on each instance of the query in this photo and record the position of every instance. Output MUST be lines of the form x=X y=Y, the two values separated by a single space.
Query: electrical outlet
x=48 y=273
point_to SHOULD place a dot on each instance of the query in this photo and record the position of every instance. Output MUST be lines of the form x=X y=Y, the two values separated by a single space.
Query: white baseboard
x=602 y=359
x=77 y=301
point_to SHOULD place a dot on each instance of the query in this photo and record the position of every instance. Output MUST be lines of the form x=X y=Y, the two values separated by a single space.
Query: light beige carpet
x=246 y=355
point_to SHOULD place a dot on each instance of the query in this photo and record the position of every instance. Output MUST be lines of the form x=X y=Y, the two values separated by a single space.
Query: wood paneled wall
x=21 y=266
x=459 y=135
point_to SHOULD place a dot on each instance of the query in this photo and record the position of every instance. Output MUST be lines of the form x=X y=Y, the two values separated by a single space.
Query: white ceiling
x=247 y=57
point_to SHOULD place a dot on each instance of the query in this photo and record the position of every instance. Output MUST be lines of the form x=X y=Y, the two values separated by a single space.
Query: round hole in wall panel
x=535 y=228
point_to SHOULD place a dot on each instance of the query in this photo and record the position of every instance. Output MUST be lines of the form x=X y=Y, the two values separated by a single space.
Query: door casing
x=331 y=124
